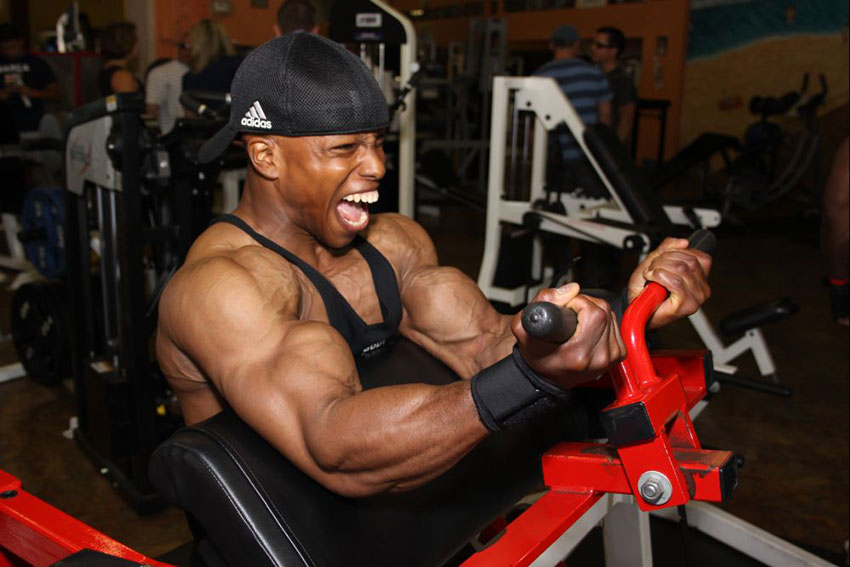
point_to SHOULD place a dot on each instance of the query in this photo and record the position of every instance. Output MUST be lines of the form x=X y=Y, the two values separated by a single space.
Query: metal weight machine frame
x=112 y=324
x=652 y=462
x=605 y=221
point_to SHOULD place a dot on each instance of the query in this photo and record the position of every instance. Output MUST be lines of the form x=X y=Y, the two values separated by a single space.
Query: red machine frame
x=34 y=533
x=652 y=451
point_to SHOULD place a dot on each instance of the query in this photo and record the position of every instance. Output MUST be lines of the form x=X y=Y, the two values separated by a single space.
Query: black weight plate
x=40 y=332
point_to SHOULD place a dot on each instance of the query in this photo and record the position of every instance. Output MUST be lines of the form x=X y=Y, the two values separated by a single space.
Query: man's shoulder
x=220 y=270
x=401 y=240
x=570 y=66
x=394 y=228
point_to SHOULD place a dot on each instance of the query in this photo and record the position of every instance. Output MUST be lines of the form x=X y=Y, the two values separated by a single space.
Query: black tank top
x=363 y=339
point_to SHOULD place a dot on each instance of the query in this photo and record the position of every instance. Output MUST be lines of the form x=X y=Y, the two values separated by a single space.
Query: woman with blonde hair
x=212 y=56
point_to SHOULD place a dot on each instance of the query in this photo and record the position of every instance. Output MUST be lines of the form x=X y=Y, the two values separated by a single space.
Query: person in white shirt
x=163 y=87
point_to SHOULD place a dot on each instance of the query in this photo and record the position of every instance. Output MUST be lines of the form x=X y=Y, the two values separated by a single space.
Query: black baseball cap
x=300 y=84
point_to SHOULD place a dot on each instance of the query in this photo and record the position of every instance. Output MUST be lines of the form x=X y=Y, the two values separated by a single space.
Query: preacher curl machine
x=247 y=505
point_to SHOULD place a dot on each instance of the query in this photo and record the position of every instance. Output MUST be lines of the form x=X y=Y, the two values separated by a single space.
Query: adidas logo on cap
x=256 y=118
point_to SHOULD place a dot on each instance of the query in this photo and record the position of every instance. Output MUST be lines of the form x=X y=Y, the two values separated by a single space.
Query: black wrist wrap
x=509 y=393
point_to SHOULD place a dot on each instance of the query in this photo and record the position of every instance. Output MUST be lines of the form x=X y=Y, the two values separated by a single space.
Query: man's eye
x=345 y=147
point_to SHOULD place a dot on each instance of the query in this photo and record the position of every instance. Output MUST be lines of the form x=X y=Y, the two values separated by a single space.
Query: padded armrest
x=257 y=509
x=631 y=184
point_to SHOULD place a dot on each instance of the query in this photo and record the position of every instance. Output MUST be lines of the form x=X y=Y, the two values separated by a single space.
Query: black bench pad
x=750 y=318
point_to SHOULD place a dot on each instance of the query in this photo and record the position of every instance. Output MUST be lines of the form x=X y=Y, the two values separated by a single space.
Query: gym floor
x=795 y=479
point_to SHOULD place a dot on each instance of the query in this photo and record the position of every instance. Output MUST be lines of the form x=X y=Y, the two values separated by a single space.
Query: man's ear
x=264 y=154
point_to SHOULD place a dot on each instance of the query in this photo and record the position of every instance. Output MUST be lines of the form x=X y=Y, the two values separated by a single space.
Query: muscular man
x=605 y=51
x=274 y=305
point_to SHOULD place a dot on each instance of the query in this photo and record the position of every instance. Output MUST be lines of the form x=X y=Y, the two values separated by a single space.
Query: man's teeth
x=370 y=197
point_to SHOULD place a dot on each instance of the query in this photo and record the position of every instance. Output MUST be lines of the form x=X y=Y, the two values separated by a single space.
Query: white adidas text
x=256 y=118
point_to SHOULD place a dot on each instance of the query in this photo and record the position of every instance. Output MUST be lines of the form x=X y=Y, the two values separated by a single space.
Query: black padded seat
x=255 y=508
x=752 y=317
x=630 y=183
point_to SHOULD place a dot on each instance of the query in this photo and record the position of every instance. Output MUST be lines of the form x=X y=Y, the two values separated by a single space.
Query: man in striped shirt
x=585 y=86
x=587 y=89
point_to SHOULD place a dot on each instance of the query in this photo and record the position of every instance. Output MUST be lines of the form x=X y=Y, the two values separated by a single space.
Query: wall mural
x=720 y=25
x=739 y=49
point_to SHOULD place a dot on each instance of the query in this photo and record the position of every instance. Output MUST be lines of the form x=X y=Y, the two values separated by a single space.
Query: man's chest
x=337 y=285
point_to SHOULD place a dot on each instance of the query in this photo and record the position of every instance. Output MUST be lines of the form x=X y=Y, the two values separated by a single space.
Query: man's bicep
x=446 y=312
x=277 y=373
x=284 y=394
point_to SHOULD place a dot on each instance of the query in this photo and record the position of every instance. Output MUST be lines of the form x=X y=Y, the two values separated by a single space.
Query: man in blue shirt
x=569 y=169
x=585 y=86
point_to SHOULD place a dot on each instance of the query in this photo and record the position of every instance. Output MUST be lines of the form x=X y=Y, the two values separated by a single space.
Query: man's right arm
x=295 y=382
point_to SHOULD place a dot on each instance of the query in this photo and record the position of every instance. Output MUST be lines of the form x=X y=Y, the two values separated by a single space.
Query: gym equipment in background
x=753 y=176
x=134 y=201
x=631 y=218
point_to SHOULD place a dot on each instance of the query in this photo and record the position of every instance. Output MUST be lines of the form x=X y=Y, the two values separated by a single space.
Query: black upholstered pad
x=631 y=185
x=259 y=510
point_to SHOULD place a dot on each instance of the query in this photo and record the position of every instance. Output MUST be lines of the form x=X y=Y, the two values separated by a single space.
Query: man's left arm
x=604 y=107
x=626 y=117
x=445 y=312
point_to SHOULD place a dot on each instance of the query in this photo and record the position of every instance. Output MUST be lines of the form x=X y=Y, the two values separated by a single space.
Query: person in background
x=163 y=87
x=835 y=230
x=119 y=45
x=569 y=169
x=212 y=58
x=606 y=51
x=295 y=15
x=585 y=85
x=27 y=81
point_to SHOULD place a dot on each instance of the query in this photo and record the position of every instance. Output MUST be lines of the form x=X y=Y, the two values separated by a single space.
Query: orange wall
x=246 y=24
x=44 y=13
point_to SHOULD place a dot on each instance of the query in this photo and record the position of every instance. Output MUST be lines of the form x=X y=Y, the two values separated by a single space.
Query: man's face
x=329 y=181
x=601 y=50
x=12 y=49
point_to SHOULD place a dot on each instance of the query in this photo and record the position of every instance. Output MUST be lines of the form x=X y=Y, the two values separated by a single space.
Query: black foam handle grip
x=548 y=322
x=703 y=240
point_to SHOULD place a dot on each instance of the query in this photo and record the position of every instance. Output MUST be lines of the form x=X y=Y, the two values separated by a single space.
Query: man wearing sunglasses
x=605 y=51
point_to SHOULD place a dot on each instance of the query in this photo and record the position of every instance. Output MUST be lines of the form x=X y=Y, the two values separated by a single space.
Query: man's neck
x=566 y=53
x=608 y=66
x=262 y=208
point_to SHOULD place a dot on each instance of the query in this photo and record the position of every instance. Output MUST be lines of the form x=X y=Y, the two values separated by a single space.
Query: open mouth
x=354 y=209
